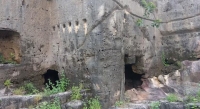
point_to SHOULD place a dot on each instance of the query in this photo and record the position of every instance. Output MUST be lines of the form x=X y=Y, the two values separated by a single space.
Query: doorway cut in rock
x=9 y=47
x=51 y=76
x=132 y=79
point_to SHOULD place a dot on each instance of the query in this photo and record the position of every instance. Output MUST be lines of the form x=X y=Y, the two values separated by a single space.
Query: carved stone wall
x=92 y=40
x=30 y=19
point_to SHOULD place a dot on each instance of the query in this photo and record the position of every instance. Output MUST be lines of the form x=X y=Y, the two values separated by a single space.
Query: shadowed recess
x=52 y=76
x=132 y=79
x=9 y=47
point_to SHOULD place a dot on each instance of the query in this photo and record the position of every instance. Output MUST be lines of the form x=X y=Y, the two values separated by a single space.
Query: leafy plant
x=164 y=60
x=50 y=105
x=76 y=95
x=7 y=83
x=193 y=99
x=12 y=59
x=172 y=98
x=4 y=61
x=19 y=91
x=30 y=88
x=92 y=103
x=149 y=8
x=62 y=83
x=156 y=23
x=61 y=86
x=1 y=59
x=139 y=22
x=119 y=103
x=155 y=105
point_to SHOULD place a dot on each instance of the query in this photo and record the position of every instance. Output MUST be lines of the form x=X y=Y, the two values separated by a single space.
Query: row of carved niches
x=69 y=25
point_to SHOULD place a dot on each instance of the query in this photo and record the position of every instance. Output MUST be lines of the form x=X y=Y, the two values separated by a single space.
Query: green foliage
x=1 y=59
x=164 y=60
x=156 y=23
x=61 y=86
x=139 y=22
x=76 y=92
x=149 y=9
x=172 y=98
x=119 y=103
x=92 y=103
x=194 y=99
x=178 y=63
x=7 y=83
x=62 y=83
x=19 y=91
x=30 y=88
x=155 y=105
x=50 y=105
x=10 y=61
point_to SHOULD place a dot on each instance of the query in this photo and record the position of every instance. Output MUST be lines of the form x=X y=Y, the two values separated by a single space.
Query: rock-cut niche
x=9 y=47
x=133 y=79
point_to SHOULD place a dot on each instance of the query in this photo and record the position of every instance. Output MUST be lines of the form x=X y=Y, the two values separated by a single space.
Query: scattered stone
x=76 y=104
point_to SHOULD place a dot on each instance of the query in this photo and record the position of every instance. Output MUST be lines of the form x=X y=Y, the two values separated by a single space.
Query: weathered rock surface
x=163 y=105
x=19 y=101
x=76 y=104
x=92 y=40
x=183 y=82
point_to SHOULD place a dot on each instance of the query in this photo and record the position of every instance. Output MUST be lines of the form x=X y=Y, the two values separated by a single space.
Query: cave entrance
x=52 y=76
x=9 y=47
x=132 y=79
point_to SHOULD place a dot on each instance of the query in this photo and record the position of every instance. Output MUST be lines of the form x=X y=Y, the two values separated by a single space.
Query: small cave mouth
x=52 y=76
x=132 y=79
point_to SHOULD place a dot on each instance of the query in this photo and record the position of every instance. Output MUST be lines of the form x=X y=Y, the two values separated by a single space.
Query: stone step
x=24 y=101
x=163 y=105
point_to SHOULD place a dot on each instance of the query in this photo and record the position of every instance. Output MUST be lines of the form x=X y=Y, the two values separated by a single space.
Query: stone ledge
x=163 y=105
x=20 y=101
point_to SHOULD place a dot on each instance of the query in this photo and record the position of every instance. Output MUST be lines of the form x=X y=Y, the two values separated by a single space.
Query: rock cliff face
x=93 y=40
x=30 y=20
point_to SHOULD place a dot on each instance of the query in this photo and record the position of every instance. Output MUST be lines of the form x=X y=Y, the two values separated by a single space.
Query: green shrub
x=119 y=103
x=9 y=61
x=172 y=98
x=30 y=88
x=19 y=91
x=194 y=99
x=61 y=86
x=76 y=92
x=149 y=9
x=155 y=105
x=164 y=61
x=7 y=83
x=93 y=103
x=50 y=105
x=62 y=83
x=2 y=60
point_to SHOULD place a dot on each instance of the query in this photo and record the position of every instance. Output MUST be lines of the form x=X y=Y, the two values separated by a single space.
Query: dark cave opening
x=132 y=79
x=52 y=76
